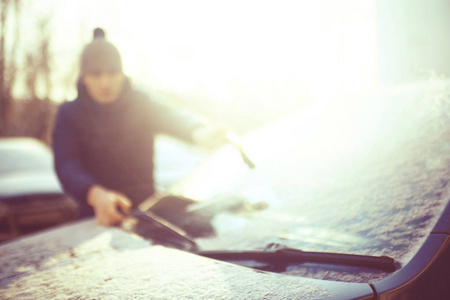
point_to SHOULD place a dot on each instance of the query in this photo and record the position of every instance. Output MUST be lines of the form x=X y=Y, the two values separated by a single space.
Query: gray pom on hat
x=100 y=55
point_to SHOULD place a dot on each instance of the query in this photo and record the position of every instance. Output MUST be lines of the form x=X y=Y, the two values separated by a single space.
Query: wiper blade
x=274 y=254
x=282 y=257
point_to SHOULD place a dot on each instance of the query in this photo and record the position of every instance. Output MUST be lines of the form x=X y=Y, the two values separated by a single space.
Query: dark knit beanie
x=100 y=55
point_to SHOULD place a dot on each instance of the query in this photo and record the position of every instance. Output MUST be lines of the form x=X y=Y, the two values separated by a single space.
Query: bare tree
x=32 y=116
x=9 y=12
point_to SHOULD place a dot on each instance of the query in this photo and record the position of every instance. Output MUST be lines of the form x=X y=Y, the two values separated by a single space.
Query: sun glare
x=238 y=48
x=247 y=54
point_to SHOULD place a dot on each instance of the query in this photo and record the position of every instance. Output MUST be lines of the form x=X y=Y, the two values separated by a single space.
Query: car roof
x=26 y=168
x=21 y=142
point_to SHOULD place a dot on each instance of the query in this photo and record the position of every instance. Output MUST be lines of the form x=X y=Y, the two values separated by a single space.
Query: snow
x=372 y=180
x=86 y=261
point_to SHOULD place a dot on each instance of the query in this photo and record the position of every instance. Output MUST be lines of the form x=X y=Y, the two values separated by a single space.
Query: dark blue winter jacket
x=112 y=145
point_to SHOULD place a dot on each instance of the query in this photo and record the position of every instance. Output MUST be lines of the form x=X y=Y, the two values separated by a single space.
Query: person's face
x=104 y=87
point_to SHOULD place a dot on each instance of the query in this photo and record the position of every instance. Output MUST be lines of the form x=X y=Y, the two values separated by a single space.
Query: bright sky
x=228 y=49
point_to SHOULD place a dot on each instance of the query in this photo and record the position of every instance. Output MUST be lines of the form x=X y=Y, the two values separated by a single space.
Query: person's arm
x=209 y=135
x=76 y=181
x=186 y=127
x=73 y=177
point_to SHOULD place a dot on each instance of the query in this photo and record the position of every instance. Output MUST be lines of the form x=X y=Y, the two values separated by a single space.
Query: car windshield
x=365 y=176
x=23 y=156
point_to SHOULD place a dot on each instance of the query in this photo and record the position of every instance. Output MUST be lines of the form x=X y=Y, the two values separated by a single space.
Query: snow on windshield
x=365 y=177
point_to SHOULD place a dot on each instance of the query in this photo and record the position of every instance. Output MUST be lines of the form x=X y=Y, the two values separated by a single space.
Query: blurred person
x=103 y=141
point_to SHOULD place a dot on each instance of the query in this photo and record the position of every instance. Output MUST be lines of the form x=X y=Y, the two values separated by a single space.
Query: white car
x=31 y=197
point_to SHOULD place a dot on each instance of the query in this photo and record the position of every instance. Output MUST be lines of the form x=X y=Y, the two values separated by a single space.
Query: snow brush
x=235 y=140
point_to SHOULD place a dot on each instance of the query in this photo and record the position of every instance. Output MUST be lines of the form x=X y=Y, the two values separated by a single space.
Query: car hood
x=29 y=183
x=109 y=257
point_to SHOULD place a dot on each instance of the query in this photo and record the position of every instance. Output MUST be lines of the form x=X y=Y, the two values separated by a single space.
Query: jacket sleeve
x=74 y=179
x=173 y=122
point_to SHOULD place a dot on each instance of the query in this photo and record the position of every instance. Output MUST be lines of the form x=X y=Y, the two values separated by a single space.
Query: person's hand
x=106 y=205
x=210 y=136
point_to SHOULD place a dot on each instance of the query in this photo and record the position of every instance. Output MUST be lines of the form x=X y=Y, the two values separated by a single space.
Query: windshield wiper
x=280 y=257
x=276 y=255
